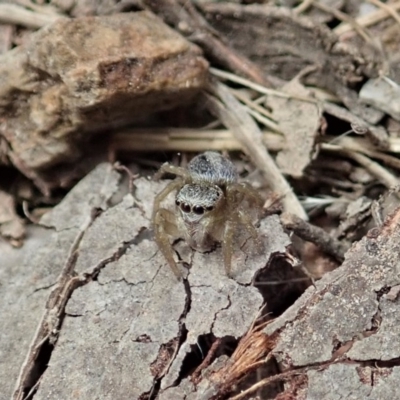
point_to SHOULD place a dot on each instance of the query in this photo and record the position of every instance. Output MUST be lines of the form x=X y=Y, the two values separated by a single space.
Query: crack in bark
x=181 y=339
x=221 y=309
x=49 y=327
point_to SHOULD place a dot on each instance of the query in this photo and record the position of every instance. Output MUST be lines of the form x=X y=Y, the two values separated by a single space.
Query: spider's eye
x=185 y=207
x=198 y=210
x=177 y=202
x=210 y=208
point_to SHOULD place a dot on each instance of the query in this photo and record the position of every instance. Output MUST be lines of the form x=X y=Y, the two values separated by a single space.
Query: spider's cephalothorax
x=209 y=203
x=198 y=204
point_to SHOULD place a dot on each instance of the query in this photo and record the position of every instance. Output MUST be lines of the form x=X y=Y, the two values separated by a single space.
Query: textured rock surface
x=87 y=75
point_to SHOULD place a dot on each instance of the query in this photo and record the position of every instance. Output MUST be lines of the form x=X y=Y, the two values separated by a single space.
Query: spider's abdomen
x=214 y=168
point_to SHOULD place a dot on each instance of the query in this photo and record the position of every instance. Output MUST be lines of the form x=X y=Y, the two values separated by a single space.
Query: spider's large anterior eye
x=185 y=207
x=198 y=210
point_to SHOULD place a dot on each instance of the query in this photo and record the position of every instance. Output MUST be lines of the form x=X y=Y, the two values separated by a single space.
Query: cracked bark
x=94 y=311
x=346 y=324
x=112 y=320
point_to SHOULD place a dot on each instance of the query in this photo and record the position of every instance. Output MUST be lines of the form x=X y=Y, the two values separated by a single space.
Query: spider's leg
x=246 y=222
x=167 y=168
x=227 y=244
x=175 y=184
x=247 y=191
x=164 y=227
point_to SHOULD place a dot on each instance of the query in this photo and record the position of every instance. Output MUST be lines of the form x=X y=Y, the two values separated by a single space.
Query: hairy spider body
x=209 y=204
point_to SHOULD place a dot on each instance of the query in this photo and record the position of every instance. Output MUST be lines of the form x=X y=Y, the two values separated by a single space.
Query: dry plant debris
x=284 y=44
x=300 y=122
x=232 y=113
x=382 y=94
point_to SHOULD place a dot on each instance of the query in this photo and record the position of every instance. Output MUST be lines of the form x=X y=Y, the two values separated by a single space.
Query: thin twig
x=254 y=104
x=316 y=235
x=362 y=146
x=382 y=174
x=344 y=17
x=263 y=120
x=193 y=140
x=259 y=88
x=234 y=116
x=281 y=377
x=252 y=351
x=13 y=14
x=27 y=213
x=267 y=381
x=303 y=6
x=186 y=18
x=387 y=8
x=207 y=359
x=367 y=20
x=379 y=135
x=282 y=282
x=188 y=140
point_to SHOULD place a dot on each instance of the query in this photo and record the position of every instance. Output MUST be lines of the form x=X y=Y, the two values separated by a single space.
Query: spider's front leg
x=165 y=226
x=167 y=168
x=248 y=192
x=182 y=178
x=174 y=185
x=227 y=244
x=236 y=193
x=250 y=228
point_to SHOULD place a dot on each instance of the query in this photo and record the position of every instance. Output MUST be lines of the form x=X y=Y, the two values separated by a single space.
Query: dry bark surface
x=106 y=306
x=344 y=331
x=99 y=313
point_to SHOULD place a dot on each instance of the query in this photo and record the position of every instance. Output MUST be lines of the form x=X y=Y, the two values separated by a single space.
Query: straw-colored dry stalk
x=251 y=353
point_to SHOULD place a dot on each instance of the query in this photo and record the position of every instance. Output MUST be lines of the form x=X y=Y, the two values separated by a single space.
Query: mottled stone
x=86 y=75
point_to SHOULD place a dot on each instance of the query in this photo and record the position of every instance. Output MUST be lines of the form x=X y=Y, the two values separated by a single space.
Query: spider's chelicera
x=209 y=207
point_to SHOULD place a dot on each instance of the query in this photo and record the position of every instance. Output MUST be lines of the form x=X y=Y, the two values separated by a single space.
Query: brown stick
x=234 y=115
x=314 y=234
x=188 y=20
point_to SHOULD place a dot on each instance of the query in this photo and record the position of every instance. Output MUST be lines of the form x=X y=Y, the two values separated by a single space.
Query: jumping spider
x=210 y=205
